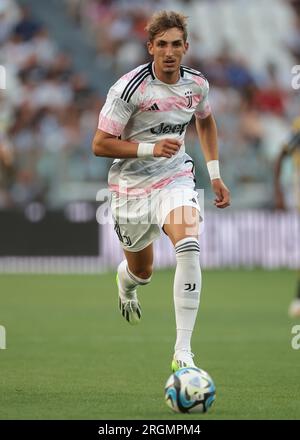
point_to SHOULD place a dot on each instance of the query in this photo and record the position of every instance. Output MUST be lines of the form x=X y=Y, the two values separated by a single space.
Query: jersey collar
x=151 y=69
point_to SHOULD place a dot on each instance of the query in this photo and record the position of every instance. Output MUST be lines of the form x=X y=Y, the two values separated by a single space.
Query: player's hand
x=222 y=192
x=166 y=148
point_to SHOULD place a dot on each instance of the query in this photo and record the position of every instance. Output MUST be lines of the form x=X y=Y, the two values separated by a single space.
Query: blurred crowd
x=48 y=114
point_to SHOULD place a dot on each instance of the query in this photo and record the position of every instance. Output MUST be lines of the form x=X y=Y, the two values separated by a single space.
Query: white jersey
x=141 y=108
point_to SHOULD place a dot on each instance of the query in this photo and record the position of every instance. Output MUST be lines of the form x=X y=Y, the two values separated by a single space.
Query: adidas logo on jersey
x=153 y=107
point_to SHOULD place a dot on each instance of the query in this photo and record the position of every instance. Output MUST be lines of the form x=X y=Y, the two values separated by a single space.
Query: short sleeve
x=115 y=113
x=203 y=108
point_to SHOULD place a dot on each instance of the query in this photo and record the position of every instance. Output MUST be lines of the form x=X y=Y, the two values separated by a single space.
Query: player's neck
x=166 y=77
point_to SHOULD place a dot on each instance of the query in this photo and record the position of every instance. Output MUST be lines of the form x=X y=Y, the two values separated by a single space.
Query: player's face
x=167 y=50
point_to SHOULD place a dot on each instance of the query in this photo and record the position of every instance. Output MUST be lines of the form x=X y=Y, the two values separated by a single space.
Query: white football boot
x=130 y=307
x=182 y=359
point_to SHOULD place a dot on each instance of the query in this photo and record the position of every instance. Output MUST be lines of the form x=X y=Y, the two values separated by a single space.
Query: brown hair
x=164 y=20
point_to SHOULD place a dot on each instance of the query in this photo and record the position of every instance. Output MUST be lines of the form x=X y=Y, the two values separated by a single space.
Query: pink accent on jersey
x=206 y=112
x=128 y=76
x=147 y=190
x=110 y=126
x=142 y=87
x=171 y=103
x=199 y=80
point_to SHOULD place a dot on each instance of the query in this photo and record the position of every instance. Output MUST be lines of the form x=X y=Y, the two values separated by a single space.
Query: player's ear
x=150 y=47
x=186 y=46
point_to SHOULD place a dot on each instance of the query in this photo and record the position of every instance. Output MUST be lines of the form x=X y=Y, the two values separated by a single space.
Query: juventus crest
x=189 y=97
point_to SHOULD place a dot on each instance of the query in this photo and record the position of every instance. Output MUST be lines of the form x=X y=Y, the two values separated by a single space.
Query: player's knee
x=144 y=273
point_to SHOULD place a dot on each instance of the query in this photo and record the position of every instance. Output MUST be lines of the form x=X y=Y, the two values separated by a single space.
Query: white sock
x=128 y=281
x=187 y=288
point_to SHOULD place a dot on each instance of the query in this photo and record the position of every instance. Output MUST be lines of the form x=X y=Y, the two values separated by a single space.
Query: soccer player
x=290 y=150
x=142 y=125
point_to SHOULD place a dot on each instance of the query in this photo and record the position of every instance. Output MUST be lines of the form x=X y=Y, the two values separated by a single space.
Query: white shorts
x=138 y=221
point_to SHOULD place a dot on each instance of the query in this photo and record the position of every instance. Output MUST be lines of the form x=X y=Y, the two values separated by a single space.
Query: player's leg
x=182 y=227
x=140 y=263
x=134 y=270
x=136 y=234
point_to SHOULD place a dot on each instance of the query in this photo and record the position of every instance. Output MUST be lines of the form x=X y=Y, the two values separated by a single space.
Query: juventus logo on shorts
x=189 y=97
x=190 y=287
x=123 y=238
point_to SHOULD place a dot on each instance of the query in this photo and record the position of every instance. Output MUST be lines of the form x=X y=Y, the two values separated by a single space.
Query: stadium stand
x=48 y=116
x=49 y=112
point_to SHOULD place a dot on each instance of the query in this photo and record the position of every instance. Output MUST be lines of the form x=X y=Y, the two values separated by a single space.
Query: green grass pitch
x=71 y=355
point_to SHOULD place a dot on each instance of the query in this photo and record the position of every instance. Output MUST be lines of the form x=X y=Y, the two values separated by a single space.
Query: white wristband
x=145 y=149
x=213 y=169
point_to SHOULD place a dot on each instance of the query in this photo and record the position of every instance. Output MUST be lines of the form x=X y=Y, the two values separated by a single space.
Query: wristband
x=145 y=150
x=213 y=169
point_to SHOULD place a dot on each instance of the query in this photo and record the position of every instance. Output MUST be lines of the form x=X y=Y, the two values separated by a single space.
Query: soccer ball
x=190 y=390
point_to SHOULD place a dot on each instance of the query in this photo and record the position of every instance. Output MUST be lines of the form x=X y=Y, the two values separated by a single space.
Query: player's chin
x=171 y=68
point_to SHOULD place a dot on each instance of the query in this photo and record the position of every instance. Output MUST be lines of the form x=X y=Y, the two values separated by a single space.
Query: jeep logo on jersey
x=169 y=128
x=189 y=97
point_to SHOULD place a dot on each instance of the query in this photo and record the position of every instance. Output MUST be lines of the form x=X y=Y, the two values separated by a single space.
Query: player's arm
x=109 y=145
x=279 y=197
x=113 y=118
x=208 y=138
